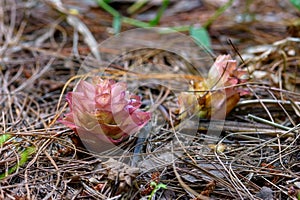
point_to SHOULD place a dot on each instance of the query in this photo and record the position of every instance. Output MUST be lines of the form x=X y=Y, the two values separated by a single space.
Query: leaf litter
x=257 y=155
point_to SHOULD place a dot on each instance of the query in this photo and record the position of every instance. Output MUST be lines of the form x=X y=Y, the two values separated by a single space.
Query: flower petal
x=68 y=121
x=104 y=110
x=87 y=89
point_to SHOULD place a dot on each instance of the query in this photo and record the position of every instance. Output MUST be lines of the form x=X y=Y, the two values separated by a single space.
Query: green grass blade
x=296 y=3
x=136 y=6
x=108 y=8
x=201 y=36
x=4 y=138
x=160 y=12
x=119 y=19
x=135 y=22
x=23 y=159
x=117 y=23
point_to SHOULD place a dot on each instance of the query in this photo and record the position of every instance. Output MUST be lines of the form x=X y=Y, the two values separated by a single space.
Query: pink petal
x=134 y=104
x=221 y=70
x=231 y=82
x=243 y=92
x=102 y=100
x=103 y=87
x=82 y=102
x=140 y=118
x=92 y=138
x=86 y=88
x=69 y=99
x=135 y=122
x=118 y=89
x=68 y=121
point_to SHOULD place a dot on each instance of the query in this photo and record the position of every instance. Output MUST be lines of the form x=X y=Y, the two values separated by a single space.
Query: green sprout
x=156 y=188
x=24 y=155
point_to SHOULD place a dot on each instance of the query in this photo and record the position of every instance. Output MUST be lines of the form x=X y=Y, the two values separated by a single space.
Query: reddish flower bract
x=105 y=110
x=208 y=99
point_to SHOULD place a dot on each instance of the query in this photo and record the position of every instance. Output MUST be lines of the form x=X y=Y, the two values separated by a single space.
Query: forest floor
x=47 y=46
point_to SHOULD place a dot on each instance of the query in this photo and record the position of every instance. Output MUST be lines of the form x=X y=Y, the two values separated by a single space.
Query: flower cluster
x=104 y=110
x=217 y=95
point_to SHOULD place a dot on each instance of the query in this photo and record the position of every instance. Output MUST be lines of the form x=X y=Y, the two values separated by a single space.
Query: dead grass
x=40 y=51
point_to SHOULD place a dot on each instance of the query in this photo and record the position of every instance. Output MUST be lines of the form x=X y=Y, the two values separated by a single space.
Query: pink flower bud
x=104 y=110
x=216 y=102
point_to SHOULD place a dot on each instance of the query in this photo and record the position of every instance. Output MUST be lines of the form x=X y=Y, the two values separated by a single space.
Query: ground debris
x=265 y=193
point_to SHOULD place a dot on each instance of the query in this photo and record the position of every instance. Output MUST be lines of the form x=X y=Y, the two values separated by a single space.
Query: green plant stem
x=219 y=12
x=108 y=8
x=135 y=22
x=117 y=16
x=136 y=6
x=160 y=12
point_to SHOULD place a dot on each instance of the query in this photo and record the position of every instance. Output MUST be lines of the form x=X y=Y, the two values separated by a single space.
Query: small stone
x=265 y=193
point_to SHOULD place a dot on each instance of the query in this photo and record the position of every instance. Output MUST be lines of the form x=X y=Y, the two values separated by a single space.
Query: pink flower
x=217 y=95
x=224 y=73
x=104 y=110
